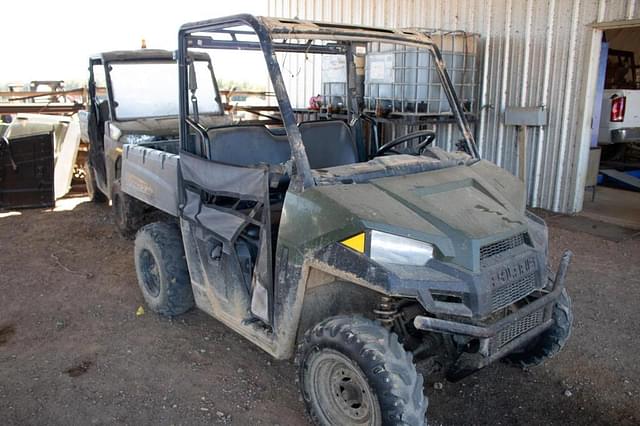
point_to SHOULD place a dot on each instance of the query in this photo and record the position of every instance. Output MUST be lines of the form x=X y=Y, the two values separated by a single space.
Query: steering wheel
x=428 y=135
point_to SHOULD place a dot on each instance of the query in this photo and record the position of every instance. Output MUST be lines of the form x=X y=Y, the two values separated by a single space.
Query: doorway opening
x=613 y=169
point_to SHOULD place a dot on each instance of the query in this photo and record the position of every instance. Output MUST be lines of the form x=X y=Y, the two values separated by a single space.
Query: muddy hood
x=479 y=201
x=458 y=209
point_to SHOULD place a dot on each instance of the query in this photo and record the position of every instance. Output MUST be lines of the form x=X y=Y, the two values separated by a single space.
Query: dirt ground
x=73 y=351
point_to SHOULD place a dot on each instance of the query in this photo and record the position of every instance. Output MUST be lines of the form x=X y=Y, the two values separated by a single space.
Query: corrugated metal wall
x=536 y=52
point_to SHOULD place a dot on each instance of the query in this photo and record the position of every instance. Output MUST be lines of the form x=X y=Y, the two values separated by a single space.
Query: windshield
x=150 y=89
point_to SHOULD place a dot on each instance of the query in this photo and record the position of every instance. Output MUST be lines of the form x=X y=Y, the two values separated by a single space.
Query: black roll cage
x=266 y=29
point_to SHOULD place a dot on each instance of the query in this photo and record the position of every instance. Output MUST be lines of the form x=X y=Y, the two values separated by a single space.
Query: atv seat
x=248 y=145
x=328 y=144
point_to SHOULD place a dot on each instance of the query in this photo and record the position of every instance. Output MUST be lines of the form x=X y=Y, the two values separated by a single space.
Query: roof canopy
x=143 y=55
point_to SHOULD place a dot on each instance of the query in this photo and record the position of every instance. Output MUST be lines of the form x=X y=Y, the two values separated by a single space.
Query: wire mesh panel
x=404 y=80
x=503 y=245
x=511 y=293
x=520 y=327
x=334 y=81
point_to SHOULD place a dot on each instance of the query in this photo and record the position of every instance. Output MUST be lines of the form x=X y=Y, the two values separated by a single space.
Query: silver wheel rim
x=150 y=273
x=340 y=391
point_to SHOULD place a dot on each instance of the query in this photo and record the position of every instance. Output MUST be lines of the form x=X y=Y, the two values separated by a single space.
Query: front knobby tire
x=161 y=267
x=354 y=371
x=552 y=341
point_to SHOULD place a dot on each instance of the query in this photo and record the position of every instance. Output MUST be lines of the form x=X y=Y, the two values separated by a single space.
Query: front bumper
x=505 y=335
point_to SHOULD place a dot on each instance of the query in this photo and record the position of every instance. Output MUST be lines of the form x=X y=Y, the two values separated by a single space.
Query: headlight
x=388 y=248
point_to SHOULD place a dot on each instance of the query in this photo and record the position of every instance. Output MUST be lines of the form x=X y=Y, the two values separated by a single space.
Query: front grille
x=501 y=246
x=519 y=327
x=510 y=293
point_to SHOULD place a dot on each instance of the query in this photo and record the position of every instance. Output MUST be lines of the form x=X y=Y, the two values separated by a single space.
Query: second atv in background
x=133 y=98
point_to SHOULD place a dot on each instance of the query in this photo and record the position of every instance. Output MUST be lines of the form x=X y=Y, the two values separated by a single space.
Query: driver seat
x=328 y=143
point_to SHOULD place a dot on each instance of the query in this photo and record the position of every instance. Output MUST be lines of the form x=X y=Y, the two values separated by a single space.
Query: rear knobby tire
x=95 y=195
x=354 y=371
x=552 y=341
x=162 y=269
x=128 y=213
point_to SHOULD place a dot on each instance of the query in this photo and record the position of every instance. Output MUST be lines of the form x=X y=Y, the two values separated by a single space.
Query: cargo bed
x=150 y=173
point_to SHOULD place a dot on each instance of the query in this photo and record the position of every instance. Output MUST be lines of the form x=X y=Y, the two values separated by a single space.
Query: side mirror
x=7 y=118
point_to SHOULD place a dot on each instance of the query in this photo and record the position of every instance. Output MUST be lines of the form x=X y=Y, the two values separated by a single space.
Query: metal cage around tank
x=402 y=80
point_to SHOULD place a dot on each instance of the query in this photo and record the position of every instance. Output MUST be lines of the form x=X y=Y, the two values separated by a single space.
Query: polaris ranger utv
x=359 y=266
x=132 y=98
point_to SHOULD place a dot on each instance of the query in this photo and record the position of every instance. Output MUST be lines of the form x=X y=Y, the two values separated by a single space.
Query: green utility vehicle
x=358 y=265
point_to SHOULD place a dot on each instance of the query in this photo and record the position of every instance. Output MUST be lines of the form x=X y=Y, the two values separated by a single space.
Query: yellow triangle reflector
x=356 y=242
